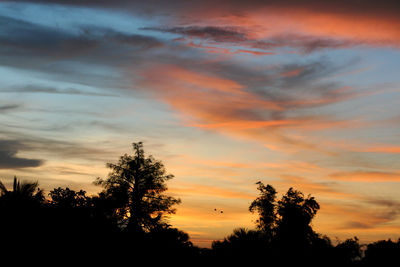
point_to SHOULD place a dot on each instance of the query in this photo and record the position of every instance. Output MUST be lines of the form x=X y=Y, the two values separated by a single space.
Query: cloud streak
x=367 y=176
x=9 y=158
x=306 y=25
x=217 y=36
x=8 y=107
x=258 y=107
x=273 y=76
x=51 y=90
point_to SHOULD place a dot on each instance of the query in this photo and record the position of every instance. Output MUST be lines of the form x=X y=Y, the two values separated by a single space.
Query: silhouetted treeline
x=126 y=223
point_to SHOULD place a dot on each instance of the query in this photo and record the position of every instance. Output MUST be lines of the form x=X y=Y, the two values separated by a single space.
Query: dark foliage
x=382 y=253
x=126 y=223
x=136 y=185
x=265 y=206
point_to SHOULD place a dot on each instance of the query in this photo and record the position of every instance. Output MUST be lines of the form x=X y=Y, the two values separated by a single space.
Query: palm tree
x=22 y=193
x=22 y=216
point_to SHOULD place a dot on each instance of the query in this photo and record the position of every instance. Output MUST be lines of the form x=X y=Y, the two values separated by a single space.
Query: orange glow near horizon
x=301 y=94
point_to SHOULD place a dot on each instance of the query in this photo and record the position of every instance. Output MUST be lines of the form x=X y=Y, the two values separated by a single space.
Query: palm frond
x=28 y=189
x=3 y=189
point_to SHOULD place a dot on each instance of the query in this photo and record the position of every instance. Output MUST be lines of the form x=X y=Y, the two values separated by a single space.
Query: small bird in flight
x=221 y=211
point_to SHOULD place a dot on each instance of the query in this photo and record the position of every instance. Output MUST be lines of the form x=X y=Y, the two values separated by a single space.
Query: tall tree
x=137 y=184
x=295 y=215
x=264 y=205
x=287 y=220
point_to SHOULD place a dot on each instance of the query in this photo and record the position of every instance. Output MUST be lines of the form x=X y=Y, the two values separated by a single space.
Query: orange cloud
x=213 y=163
x=372 y=148
x=368 y=29
x=296 y=166
x=255 y=53
x=240 y=125
x=205 y=97
x=366 y=176
x=315 y=188
x=292 y=73
x=203 y=190
x=228 y=51
x=302 y=25
x=359 y=218
x=212 y=102
x=199 y=80
x=383 y=149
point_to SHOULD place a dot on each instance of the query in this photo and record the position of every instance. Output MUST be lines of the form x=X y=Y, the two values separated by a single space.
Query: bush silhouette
x=127 y=223
x=382 y=253
x=284 y=234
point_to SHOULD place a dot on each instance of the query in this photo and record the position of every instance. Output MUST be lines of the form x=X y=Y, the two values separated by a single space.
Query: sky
x=302 y=94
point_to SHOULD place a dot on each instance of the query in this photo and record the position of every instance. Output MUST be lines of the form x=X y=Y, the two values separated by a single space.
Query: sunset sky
x=293 y=93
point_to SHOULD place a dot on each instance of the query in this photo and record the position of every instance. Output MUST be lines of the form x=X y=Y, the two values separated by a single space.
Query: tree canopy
x=25 y=191
x=128 y=220
x=289 y=218
x=265 y=206
x=137 y=184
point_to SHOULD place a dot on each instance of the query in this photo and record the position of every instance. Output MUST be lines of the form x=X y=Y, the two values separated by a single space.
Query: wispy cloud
x=284 y=80
x=215 y=39
x=8 y=107
x=52 y=90
x=366 y=176
x=247 y=107
x=341 y=18
x=9 y=158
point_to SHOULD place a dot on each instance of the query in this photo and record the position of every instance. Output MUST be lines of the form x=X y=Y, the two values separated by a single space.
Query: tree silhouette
x=382 y=253
x=347 y=252
x=21 y=217
x=74 y=216
x=295 y=215
x=242 y=244
x=68 y=198
x=289 y=218
x=22 y=201
x=265 y=206
x=70 y=224
x=136 y=185
x=22 y=192
x=283 y=228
